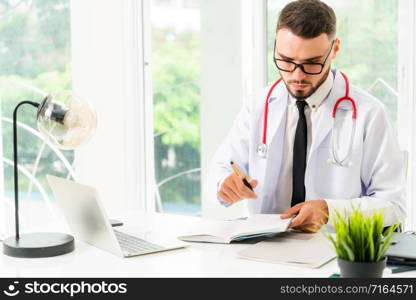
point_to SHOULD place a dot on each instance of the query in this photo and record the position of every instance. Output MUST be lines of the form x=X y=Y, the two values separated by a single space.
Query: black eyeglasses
x=307 y=68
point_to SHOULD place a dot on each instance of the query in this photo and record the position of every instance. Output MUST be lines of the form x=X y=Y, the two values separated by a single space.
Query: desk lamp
x=67 y=120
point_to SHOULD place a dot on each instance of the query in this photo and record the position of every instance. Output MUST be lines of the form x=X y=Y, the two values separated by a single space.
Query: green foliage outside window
x=35 y=59
x=176 y=74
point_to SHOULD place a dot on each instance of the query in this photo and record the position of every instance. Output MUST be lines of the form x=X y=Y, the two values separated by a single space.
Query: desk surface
x=196 y=260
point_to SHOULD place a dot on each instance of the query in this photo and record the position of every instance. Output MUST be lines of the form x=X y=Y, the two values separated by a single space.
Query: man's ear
x=337 y=47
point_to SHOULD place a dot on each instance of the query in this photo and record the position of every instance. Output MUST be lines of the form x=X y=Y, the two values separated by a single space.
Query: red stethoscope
x=262 y=148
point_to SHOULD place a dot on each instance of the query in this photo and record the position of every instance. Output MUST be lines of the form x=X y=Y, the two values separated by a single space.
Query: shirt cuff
x=337 y=205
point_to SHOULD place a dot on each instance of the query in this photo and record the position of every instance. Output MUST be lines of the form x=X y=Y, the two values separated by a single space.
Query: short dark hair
x=308 y=19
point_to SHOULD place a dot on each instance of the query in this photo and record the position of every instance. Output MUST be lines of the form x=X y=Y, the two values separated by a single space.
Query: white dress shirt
x=284 y=190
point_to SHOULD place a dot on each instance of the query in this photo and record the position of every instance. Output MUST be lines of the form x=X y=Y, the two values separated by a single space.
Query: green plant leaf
x=359 y=235
x=350 y=254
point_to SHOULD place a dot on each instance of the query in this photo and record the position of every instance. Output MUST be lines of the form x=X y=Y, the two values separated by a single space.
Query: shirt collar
x=318 y=97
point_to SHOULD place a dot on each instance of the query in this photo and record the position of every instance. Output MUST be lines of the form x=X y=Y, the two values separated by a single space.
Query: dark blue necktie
x=299 y=156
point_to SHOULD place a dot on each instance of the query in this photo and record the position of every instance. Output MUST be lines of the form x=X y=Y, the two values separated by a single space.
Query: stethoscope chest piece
x=262 y=150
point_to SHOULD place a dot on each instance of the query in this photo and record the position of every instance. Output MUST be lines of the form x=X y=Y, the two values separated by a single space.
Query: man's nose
x=298 y=74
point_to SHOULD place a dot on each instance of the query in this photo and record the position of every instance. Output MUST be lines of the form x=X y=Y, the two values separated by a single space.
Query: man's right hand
x=233 y=189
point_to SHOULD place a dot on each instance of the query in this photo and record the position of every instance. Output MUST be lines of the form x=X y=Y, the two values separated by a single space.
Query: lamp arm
x=16 y=180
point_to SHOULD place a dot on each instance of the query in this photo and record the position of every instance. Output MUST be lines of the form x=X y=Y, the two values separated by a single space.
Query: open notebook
x=213 y=231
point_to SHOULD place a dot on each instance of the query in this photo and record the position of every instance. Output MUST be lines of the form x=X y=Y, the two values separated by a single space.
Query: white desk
x=196 y=260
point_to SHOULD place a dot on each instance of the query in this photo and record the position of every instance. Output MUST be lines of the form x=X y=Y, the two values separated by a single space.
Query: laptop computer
x=403 y=248
x=88 y=221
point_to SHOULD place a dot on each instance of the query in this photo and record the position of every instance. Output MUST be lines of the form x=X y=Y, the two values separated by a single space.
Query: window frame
x=407 y=100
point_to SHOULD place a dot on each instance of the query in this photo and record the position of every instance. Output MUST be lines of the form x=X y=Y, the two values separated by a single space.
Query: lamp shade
x=66 y=119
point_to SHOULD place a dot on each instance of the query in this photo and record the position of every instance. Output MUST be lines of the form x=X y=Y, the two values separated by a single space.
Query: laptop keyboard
x=135 y=245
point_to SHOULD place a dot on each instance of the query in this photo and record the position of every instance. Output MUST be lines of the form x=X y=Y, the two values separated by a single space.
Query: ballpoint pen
x=241 y=175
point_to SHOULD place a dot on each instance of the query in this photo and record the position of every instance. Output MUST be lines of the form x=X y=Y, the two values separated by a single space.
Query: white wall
x=107 y=56
x=233 y=66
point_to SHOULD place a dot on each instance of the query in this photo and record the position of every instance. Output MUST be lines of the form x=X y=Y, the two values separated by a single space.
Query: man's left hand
x=311 y=215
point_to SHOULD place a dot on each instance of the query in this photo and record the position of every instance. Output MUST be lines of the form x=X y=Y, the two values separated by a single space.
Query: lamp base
x=41 y=244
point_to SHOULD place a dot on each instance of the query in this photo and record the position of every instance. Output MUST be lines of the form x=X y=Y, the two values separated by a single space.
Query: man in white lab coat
x=296 y=177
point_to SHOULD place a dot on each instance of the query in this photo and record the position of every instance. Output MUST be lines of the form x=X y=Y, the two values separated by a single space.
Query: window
x=184 y=43
x=34 y=61
x=368 y=31
x=176 y=96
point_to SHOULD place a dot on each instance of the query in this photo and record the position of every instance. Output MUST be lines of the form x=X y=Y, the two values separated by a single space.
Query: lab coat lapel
x=277 y=110
x=325 y=120
x=275 y=135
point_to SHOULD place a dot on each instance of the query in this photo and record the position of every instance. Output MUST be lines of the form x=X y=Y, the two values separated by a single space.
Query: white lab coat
x=375 y=180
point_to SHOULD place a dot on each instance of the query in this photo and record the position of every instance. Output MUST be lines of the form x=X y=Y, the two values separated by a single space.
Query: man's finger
x=306 y=225
x=297 y=221
x=309 y=228
x=253 y=182
x=292 y=211
x=224 y=197
x=244 y=190
x=231 y=194
x=316 y=225
x=236 y=188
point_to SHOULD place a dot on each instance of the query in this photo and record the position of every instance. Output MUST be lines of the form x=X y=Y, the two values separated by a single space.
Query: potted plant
x=359 y=243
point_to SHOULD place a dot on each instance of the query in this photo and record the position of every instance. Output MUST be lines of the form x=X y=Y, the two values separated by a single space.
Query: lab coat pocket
x=334 y=181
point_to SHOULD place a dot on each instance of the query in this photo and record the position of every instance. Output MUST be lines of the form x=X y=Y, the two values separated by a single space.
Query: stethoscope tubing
x=335 y=137
x=266 y=110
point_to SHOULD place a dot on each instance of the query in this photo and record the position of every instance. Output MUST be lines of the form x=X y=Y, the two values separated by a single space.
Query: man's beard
x=299 y=94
